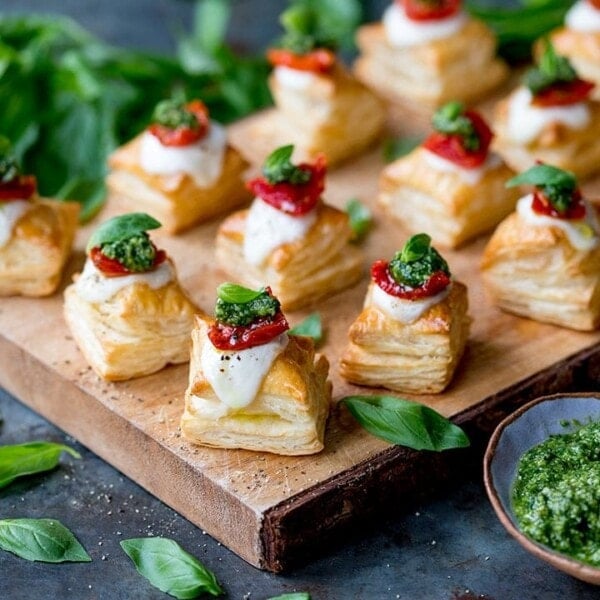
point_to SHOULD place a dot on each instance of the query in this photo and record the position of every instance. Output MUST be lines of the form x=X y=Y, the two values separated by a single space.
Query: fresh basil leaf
x=451 y=120
x=361 y=218
x=405 y=423
x=168 y=567
x=29 y=458
x=211 y=18
x=237 y=294
x=415 y=247
x=44 y=540
x=394 y=148
x=544 y=175
x=310 y=327
x=291 y=596
x=121 y=227
x=278 y=167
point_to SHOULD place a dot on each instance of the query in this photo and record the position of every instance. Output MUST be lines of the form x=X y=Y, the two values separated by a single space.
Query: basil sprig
x=172 y=113
x=310 y=327
x=168 y=567
x=451 y=120
x=417 y=261
x=551 y=69
x=32 y=457
x=120 y=228
x=557 y=185
x=406 y=423
x=278 y=167
x=361 y=218
x=45 y=540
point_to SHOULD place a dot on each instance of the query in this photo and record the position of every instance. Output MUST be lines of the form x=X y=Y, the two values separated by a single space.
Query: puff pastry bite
x=543 y=261
x=414 y=325
x=289 y=238
x=126 y=310
x=252 y=384
x=428 y=52
x=181 y=169
x=36 y=234
x=320 y=106
x=550 y=118
x=579 y=40
x=451 y=186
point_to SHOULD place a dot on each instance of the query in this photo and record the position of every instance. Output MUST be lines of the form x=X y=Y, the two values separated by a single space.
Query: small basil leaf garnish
x=237 y=294
x=278 y=167
x=416 y=247
x=291 y=596
x=361 y=218
x=542 y=175
x=168 y=567
x=44 y=540
x=394 y=148
x=26 y=459
x=405 y=423
x=552 y=68
x=121 y=228
x=451 y=120
x=172 y=113
x=310 y=327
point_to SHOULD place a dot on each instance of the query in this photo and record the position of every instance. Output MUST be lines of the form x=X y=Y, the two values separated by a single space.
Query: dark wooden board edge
x=390 y=482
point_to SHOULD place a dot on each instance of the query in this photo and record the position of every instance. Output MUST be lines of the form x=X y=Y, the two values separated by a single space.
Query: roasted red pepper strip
x=241 y=337
x=424 y=10
x=320 y=60
x=564 y=93
x=380 y=274
x=113 y=268
x=542 y=206
x=451 y=146
x=21 y=187
x=293 y=199
x=184 y=136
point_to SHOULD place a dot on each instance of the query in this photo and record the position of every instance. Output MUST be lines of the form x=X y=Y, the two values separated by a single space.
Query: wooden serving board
x=271 y=509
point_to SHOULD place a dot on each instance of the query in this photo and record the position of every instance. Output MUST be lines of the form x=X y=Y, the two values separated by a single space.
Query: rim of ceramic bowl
x=572 y=566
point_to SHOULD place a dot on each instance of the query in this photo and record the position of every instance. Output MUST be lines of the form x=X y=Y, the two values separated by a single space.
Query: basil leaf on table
x=405 y=423
x=168 y=567
x=292 y=596
x=394 y=148
x=44 y=540
x=361 y=218
x=310 y=327
x=29 y=458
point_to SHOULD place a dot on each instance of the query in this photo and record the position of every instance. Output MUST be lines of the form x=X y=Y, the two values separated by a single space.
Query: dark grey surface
x=451 y=548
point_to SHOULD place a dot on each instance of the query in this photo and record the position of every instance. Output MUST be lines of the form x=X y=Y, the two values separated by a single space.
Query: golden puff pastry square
x=462 y=66
x=418 y=357
x=334 y=115
x=574 y=149
x=33 y=257
x=535 y=272
x=453 y=206
x=136 y=331
x=301 y=272
x=176 y=200
x=287 y=415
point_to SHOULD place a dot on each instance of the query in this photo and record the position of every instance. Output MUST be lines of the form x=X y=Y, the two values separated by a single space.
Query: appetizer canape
x=452 y=185
x=320 y=106
x=289 y=238
x=126 y=310
x=180 y=170
x=579 y=40
x=429 y=52
x=36 y=234
x=551 y=117
x=543 y=261
x=414 y=325
x=252 y=385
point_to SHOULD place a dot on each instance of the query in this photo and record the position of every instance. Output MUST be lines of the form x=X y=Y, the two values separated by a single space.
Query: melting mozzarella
x=268 y=228
x=236 y=376
x=401 y=309
x=93 y=286
x=582 y=233
x=294 y=79
x=582 y=16
x=10 y=213
x=526 y=122
x=470 y=176
x=402 y=31
x=202 y=160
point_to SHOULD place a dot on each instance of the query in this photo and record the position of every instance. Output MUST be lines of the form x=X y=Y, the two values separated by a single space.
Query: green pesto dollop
x=414 y=264
x=556 y=494
x=135 y=253
x=243 y=313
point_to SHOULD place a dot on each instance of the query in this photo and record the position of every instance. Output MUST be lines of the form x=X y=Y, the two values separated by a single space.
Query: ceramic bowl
x=528 y=426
